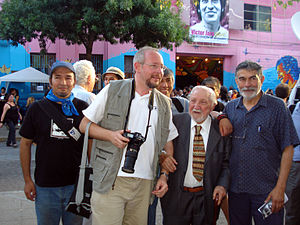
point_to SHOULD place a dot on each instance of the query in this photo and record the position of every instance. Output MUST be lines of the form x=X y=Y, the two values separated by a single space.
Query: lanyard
x=150 y=107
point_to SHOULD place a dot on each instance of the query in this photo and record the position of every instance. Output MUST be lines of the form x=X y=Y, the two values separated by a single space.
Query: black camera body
x=135 y=141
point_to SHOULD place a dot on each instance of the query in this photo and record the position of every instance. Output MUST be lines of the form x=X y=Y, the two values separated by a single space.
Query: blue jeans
x=243 y=206
x=50 y=204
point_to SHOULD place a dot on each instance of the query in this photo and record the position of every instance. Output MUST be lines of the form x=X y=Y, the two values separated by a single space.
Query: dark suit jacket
x=216 y=171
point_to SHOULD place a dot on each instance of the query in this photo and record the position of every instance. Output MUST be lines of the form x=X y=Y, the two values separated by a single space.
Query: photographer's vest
x=106 y=157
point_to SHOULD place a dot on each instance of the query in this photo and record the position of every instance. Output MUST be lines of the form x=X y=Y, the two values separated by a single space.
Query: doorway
x=192 y=70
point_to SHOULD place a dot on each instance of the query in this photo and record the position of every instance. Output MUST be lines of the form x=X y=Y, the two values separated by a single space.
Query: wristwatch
x=166 y=175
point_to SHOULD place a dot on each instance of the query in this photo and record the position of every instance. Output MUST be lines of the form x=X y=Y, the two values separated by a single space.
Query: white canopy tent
x=26 y=75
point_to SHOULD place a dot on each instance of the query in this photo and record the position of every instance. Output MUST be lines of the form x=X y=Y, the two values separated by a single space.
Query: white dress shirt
x=190 y=180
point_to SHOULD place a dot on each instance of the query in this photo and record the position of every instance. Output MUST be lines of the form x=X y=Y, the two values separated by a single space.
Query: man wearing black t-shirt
x=58 y=155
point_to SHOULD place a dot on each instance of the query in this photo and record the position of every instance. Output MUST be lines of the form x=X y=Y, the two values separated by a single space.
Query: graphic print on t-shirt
x=56 y=132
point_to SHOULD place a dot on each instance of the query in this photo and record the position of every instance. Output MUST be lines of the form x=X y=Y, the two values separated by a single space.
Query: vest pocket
x=101 y=165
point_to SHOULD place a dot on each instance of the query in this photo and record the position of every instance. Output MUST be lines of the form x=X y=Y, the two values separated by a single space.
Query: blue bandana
x=67 y=105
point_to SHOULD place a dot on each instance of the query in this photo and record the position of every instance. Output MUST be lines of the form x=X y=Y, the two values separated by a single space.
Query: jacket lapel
x=213 y=139
x=187 y=131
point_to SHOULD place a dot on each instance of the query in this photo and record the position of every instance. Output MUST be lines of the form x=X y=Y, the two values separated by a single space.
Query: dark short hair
x=168 y=72
x=282 y=90
x=211 y=80
x=223 y=3
x=249 y=65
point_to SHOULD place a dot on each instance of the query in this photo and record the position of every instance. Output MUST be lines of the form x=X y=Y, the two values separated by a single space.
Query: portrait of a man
x=210 y=14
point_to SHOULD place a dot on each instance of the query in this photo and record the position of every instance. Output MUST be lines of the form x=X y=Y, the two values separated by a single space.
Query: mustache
x=197 y=110
x=248 y=89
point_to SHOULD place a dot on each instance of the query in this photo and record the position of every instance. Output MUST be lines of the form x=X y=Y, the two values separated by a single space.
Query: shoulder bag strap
x=65 y=125
x=84 y=162
x=177 y=104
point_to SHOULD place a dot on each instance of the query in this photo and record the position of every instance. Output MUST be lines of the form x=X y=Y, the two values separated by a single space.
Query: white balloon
x=295 y=21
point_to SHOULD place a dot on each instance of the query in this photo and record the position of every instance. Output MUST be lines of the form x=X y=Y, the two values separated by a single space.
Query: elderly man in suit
x=202 y=175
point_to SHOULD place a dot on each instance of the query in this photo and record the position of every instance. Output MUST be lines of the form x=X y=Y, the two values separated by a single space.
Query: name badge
x=74 y=133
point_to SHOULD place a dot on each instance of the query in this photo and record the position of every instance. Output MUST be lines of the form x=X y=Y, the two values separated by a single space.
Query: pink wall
x=263 y=47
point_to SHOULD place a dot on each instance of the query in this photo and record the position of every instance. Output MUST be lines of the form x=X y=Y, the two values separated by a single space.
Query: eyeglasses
x=156 y=66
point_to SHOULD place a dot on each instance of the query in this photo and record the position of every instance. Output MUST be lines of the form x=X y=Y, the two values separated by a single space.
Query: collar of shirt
x=79 y=87
x=261 y=102
x=205 y=125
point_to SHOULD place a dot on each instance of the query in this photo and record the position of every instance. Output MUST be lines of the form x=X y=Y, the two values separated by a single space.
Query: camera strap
x=150 y=107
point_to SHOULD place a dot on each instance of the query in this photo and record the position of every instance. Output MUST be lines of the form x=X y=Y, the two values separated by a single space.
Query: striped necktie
x=198 y=154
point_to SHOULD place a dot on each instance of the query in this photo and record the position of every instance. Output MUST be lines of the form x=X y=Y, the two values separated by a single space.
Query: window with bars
x=257 y=17
x=42 y=62
x=97 y=61
x=128 y=66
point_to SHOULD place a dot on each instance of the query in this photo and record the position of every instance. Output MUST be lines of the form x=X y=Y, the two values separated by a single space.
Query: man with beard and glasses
x=120 y=197
x=263 y=142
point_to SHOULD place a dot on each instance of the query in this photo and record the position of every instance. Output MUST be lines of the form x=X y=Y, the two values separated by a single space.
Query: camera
x=135 y=141
x=266 y=209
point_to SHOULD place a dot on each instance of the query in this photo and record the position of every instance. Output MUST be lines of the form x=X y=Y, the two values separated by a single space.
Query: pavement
x=15 y=209
x=4 y=134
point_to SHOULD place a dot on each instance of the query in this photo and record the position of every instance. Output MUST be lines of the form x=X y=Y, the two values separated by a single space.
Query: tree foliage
x=142 y=22
x=285 y=4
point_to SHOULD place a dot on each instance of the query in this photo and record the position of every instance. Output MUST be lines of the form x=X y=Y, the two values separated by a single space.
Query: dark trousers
x=242 y=207
x=152 y=212
x=292 y=215
x=189 y=209
x=11 y=139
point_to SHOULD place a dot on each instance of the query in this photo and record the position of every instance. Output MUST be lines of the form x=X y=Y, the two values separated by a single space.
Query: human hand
x=218 y=194
x=168 y=163
x=214 y=114
x=225 y=127
x=161 y=187
x=29 y=190
x=118 y=140
x=277 y=197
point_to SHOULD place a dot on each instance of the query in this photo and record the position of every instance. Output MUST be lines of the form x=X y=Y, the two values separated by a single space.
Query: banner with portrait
x=209 y=21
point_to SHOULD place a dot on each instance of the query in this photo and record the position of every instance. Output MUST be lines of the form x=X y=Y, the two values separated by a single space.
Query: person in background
x=10 y=116
x=29 y=101
x=292 y=216
x=214 y=84
x=224 y=95
x=85 y=81
x=269 y=91
x=282 y=91
x=112 y=73
x=15 y=93
x=3 y=99
x=179 y=105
